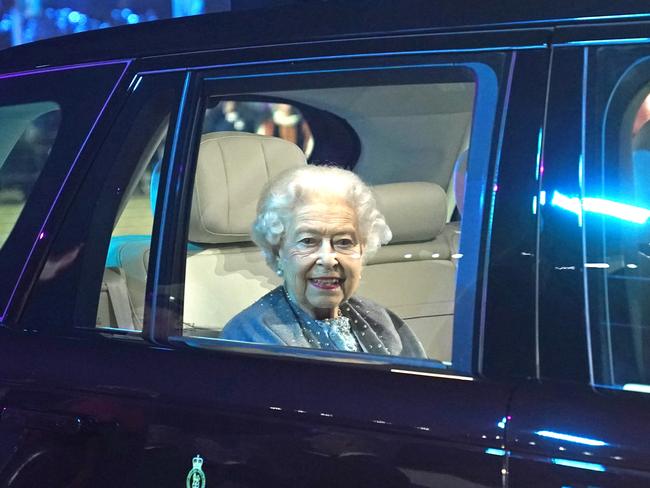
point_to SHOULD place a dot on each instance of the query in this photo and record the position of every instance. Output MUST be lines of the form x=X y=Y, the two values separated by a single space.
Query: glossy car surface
x=539 y=370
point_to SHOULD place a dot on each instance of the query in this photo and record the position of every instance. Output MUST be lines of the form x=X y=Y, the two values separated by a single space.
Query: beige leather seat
x=413 y=275
x=225 y=272
x=229 y=273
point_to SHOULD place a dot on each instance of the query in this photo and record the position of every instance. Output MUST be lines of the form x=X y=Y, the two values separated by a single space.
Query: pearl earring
x=279 y=272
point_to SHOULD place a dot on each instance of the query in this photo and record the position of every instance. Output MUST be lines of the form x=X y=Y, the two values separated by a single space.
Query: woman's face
x=320 y=255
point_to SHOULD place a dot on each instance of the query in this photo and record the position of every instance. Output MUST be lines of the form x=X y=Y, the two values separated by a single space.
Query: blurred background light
x=23 y=21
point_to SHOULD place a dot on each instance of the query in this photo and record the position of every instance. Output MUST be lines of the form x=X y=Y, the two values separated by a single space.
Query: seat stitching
x=225 y=172
x=266 y=163
x=198 y=195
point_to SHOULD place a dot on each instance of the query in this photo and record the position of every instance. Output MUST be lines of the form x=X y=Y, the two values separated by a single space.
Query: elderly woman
x=316 y=225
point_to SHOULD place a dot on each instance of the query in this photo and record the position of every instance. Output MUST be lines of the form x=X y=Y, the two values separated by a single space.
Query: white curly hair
x=283 y=194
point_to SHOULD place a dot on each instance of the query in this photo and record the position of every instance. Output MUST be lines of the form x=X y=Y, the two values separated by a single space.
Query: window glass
x=260 y=117
x=131 y=160
x=121 y=302
x=29 y=131
x=309 y=273
x=616 y=210
x=47 y=117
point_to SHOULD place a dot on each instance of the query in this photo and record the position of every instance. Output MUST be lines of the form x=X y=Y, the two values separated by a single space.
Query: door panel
x=255 y=421
x=566 y=430
x=569 y=435
x=116 y=409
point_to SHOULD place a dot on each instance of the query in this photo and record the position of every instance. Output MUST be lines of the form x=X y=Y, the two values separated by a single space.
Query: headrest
x=232 y=169
x=415 y=211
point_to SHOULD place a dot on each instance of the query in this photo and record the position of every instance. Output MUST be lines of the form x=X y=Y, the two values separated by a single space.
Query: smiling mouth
x=326 y=283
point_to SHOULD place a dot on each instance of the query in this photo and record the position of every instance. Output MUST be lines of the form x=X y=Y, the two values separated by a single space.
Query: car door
x=584 y=420
x=161 y=406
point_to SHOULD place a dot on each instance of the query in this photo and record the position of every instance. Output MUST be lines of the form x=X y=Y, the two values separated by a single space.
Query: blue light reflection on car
x=578 y=464
x=570 y=438
x=495 y=452
x=538 y=161
x=622 y=211
x=636 y=386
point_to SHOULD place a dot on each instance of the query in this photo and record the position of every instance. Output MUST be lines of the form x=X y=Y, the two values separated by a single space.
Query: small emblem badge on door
x=196 y=477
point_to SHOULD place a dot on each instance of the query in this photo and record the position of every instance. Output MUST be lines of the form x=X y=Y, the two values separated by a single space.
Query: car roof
x=307 y=21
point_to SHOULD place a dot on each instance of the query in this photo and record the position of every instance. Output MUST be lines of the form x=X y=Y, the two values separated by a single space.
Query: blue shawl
x=274 y=319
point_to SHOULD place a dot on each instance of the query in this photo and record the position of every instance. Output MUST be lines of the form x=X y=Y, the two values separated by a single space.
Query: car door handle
x=69 y=424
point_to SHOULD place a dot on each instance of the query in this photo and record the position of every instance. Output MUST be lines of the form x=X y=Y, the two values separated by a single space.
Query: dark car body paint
x=87 y=409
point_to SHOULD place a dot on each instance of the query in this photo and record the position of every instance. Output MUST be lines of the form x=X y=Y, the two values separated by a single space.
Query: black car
x=508 y=149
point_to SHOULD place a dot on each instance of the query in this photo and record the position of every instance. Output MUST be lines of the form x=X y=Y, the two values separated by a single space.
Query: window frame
x=169 y=266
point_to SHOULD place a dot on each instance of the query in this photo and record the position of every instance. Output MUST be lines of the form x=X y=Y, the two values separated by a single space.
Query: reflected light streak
x=637 y=387
x=619 y=210
x=578 y=464
x=539 y=154
x=622 y=211
x=137 y=83
x=495 y=452
x=570 y=438
x=433 y=375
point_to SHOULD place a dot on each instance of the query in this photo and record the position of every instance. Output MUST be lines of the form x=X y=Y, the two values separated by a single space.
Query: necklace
x=338 y=329
x=340 y=333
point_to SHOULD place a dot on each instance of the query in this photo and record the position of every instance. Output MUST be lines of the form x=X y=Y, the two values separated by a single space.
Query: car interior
x=412 y=150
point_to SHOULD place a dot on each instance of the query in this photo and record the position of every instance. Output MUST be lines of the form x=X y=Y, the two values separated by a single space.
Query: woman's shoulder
x=263 y=321
x=395 y=333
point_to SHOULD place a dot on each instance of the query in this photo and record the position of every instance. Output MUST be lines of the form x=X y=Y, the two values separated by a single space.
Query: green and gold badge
x=196 y=476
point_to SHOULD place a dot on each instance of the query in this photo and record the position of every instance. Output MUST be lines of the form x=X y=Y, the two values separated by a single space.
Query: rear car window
x=28 y=132
x=407 y=165
x=47 y=116
x=409 y=141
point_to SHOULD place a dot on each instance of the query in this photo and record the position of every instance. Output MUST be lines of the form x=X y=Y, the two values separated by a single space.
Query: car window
x=46 y=118
x=410 y=143
x=121 y=302
x=141 y=148
x=28 y=134
x=108 y=257
x=616 y=209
